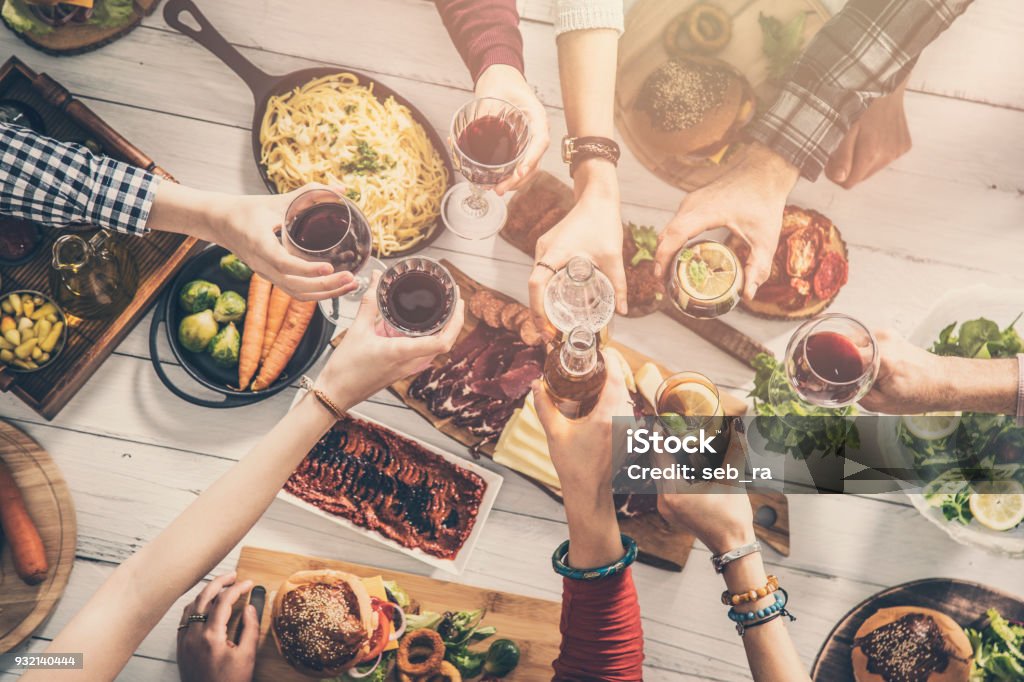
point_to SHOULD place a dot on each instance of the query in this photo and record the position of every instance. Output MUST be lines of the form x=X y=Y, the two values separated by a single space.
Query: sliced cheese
x=78 y=3
x=375 y=587
x=523 y=447
x=648 y=379
x=716 y=158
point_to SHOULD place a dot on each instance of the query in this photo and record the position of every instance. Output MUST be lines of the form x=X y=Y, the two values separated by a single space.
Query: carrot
x=296 y=320
x=252 y=335
x=26 y=545
x=279 y=301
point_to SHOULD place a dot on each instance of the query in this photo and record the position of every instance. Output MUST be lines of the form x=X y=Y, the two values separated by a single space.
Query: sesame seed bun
x=322 y=622
x=953 y=642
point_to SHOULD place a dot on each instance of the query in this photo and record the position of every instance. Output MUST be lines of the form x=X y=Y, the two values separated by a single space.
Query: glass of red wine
x=832 y=361
x=416 y=297
x=487 y=140
x=323 y=225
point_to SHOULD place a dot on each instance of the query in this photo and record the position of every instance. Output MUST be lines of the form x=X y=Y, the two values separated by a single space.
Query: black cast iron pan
x=264 y=86
x=200 y=366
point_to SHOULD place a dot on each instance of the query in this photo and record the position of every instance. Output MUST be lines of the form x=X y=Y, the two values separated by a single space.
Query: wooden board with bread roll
x=24 y=607
x=531 y=623
x=960 y=604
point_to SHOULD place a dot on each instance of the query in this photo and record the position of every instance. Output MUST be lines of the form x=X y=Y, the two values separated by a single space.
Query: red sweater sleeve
x=485 y=32
x=601 y=633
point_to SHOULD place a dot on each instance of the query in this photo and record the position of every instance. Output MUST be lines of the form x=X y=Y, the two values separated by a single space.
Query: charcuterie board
x=75 y=37
x=531 y=623
x=24 y=607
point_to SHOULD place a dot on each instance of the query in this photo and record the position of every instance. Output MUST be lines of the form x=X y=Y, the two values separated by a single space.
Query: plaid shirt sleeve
x=56 y=183
x=862 y=53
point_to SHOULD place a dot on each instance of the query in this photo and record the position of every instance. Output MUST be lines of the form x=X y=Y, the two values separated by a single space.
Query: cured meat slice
x=831 y=275
x=515 y=383
x=509 y=314
x=478 y=302
x=529 y=333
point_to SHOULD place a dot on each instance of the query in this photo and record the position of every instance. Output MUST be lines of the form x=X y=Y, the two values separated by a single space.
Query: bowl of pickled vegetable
x=33 y=330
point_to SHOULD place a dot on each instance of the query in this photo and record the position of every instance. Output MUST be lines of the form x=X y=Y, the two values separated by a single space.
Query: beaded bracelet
x=753 y=595
x=563 y=569
x=751 y=619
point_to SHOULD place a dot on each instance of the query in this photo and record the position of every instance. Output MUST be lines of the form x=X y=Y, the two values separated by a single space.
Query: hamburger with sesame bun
x=691 y=108
x=324 y=623
x=911 y=644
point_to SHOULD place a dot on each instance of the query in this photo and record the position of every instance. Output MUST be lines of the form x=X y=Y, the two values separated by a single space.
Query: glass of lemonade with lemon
x=689 y=402
x=706 y=279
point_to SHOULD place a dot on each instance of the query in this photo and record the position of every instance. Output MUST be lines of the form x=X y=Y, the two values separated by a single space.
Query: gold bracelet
x=336 y=412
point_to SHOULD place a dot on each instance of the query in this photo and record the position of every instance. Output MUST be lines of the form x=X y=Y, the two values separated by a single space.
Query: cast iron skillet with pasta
x=266 y=89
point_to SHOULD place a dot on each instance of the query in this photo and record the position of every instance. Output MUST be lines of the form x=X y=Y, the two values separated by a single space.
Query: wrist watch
x=577 y=149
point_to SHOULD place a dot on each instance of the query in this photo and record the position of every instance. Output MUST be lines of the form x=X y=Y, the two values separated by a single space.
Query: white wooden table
x=947 y=215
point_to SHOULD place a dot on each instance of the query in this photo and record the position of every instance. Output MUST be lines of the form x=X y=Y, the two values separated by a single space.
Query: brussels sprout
x=233 y=266
x=198 y=295
x=225 y=345
x=502 y=658
x=197 y=330
x=230 y=307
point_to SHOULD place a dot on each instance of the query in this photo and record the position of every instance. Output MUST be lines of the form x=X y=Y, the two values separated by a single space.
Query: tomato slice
x=382 y=634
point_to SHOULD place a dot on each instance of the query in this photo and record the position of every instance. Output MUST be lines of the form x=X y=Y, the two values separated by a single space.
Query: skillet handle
x=159 y=318
x=207 y=36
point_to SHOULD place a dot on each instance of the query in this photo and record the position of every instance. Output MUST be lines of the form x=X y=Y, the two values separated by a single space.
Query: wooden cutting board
x=531 y=623
x=75 y=38
x=642 y=50
x=964 y=602
x=24 y=607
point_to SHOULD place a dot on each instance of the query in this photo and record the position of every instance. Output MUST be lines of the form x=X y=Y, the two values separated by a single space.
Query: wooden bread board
x=715 y=331
x=964 y=602
x=157 y=255
x=642 y=50
x=75 y=38
x=23 y=608
x=531 y=623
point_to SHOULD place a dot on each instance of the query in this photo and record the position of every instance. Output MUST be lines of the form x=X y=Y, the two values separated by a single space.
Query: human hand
x=717 y=513
x=879 y=137
x=506 y=82
x=749 y=200
x=205 y=653
x=364 y=363
x=592 y=228
x=249 y=227
x=910 y=379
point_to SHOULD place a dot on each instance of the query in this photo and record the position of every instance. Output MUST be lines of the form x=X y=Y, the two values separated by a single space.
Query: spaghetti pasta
x=335 y=131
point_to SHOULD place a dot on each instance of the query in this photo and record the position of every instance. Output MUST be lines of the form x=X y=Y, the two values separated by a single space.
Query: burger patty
x=679 y=94
x=381 y=481
x=906 y=650
x=319 y=626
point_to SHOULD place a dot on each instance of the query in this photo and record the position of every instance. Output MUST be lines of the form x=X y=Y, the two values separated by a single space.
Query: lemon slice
x=998 y=505
x=932 y=425
x=695 y=399
x=707 y=271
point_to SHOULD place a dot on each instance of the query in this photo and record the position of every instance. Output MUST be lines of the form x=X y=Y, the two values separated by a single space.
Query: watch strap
x=578 y=149
x=720 y=561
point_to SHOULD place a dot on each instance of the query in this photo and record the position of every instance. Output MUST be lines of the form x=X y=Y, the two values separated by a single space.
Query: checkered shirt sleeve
x=862 y=53
x=56 y=183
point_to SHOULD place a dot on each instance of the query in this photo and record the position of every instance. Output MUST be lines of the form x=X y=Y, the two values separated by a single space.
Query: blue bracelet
x=563 y=569
x=752 y=619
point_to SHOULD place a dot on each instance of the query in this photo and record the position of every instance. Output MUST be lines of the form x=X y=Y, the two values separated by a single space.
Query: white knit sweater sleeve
x=580 y=15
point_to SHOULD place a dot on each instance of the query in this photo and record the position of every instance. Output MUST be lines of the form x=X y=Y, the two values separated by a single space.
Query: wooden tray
x=719 y=333
x=158 y=255
x=78 y=38
x=642 y=50
x=24 y=607
x=531 y=623
x=964 y=602
x=660 y=545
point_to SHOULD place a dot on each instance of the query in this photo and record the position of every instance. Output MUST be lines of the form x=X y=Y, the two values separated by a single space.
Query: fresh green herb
x=782 y=42
x=980 y=338
x=350 y=108
x=367 y=161
x=469 y=663
x=806 y=429
x=353 y=194
x=998 y=650
x=698 y=272
x=646 y=239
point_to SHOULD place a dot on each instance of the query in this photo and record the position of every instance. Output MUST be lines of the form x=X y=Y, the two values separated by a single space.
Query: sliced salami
x=509 y=314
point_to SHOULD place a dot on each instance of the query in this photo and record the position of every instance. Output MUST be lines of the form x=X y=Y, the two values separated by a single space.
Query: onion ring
x=430 y=646
x=356 y=673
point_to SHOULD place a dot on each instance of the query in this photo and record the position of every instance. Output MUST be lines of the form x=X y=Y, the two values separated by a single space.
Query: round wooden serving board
x=964 y=602
x=75 y=38
x=24 y=607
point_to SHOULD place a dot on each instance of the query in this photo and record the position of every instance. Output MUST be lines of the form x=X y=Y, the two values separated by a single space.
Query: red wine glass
x=832 y=361
x=323 y=225
x=416 y=297
x=488 y=139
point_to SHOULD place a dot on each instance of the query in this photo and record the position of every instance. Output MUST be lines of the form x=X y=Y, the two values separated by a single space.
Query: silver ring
x=198 y=618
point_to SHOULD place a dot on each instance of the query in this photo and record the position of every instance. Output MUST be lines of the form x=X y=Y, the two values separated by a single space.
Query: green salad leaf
x=782 y=42
x=807 y=429
x=980 y=338
x=646 y=239
x=998 y=650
